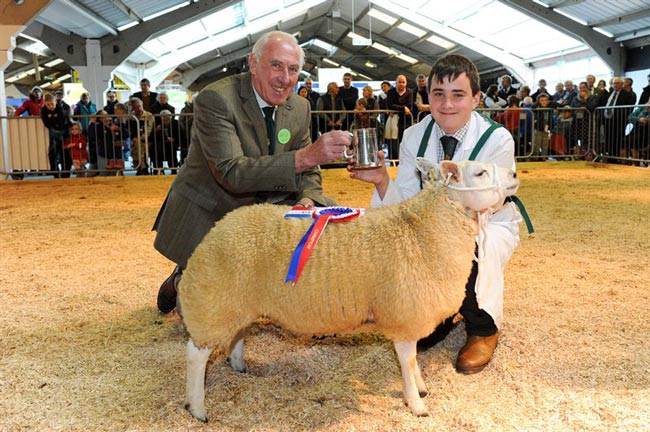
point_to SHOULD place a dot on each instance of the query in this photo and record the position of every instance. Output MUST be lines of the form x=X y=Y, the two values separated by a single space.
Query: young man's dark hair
x=451 y=67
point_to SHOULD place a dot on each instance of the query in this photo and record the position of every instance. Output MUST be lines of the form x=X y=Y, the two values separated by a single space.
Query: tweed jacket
x=228 y=165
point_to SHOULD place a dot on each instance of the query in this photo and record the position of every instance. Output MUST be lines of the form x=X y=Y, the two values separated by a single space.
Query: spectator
x=568 y=95
x=421 y=98
x=67 y=110
x=120 y=133
x=313 y=97
x=161 y=104
x=140 y=131
x=383 y=95
x=58 y=123
x=541 y=90
x=615 y=118
x=563 y=130
x=111 y=101
x=231 y=166
x=147 y=98
x=645 y=94
x=302 y=91
x=166 y=142
x=84 y=109
x=100 y=142
x=349 y=96
x=76 y=145
x=524 y=92
x=592 y=89
x=186 y=119
x=559 y=92
x=32 y=106
x=543 y=124
x=627 y=86
x=511 y=118
x=639 y=140
x=330 y=102
x=506 y=88
x=400 y=99
x=361 y=117
x=492 y=99
x=583 y=105
x=371 y=104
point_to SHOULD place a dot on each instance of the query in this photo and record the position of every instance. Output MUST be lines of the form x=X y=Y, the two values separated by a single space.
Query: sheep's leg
x=406 y=354
x=236 y=357
x=419 y=382
x=195 y=386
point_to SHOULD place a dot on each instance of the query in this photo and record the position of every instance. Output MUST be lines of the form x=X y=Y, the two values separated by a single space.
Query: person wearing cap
x=250 y=144
x=32 y=106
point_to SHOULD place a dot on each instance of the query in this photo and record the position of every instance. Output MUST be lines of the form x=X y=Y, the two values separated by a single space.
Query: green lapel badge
x=284 y=136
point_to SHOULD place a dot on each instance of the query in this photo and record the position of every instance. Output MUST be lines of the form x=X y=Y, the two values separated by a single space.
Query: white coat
x=502 y=228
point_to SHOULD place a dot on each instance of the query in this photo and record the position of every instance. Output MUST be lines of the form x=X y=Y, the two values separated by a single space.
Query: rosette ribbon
x=308 y=242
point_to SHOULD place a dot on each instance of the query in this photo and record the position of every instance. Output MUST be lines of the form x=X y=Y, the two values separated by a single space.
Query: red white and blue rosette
x=322 y=216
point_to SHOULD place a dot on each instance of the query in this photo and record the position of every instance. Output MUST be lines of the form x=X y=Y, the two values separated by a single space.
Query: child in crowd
x=361 y=117
x=77 y=146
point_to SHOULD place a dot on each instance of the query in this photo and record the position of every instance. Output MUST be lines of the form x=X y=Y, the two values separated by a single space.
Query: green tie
x=270 y=127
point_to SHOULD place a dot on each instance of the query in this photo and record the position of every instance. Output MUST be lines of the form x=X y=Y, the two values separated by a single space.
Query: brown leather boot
x=168 y=291
x=476 y=354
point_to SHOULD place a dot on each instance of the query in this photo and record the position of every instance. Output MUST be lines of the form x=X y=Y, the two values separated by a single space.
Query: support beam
x=192 y=75
x=640 y=14
x=514 y=64
x=609 y=51
x=127 y=10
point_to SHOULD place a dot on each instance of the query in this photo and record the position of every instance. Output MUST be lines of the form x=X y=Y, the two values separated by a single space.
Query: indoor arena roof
x=196 y=42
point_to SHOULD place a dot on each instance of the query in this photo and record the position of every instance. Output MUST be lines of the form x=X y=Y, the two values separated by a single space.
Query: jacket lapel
x=254 y=113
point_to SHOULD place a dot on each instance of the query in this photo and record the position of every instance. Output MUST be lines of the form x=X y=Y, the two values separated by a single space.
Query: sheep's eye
x=481 y=173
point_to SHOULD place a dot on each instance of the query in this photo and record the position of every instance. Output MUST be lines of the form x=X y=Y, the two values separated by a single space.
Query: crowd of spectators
x=89 y=141
x=542 y=124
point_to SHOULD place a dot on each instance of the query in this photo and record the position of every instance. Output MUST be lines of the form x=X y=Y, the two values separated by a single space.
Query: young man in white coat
x=452 y=131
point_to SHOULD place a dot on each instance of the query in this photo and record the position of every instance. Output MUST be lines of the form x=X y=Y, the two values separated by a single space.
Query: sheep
x=236 y=274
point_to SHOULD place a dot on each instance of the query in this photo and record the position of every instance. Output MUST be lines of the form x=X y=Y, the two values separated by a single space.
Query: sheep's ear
x=427 y=168
x=450 y=170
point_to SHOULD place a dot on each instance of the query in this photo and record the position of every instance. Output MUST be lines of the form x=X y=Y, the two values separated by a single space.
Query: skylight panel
x=225 y=19
x=417 y=32
x=388 y=19
x=443 y=43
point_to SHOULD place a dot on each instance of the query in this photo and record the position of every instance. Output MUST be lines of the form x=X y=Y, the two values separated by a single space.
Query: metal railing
x=159 y=144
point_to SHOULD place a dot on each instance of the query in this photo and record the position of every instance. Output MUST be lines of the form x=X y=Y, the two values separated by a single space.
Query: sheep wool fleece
x=236 y=275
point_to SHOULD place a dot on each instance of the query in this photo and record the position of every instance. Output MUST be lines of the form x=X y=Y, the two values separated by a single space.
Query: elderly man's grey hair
x=261 y=43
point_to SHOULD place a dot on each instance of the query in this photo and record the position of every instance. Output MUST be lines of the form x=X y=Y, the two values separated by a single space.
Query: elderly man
x=250 y=144
x=616 y=118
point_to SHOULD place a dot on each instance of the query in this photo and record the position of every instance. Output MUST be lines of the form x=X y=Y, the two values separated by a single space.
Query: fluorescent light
x=408 y=28
x=333 y=63
x=54 y=62
x=353 y=35
x=46 y=85
x=13 y=79
x=442 y=43
x=370 y=65
x=388 y=19
x=407 y=59
x=383 y=48
x=61 y=78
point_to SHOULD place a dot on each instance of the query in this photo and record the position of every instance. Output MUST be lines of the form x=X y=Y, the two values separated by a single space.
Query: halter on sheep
x=232 y=278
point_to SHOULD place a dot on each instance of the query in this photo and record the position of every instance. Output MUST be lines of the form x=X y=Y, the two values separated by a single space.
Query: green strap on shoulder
x=477 y=148
x=479 y=145
x=425 y=138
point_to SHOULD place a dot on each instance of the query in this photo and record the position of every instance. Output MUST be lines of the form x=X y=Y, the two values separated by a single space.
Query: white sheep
x=236 y=275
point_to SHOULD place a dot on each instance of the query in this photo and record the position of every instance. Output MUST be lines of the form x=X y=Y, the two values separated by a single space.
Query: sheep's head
x=478 y=185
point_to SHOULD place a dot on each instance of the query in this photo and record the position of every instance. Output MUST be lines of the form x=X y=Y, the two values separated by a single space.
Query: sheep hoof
x=237 y=364
x=200 y=417
x=419 y=410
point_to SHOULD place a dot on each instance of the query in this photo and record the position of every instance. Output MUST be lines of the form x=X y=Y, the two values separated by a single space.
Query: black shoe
x=439 y=334
x=168 y=291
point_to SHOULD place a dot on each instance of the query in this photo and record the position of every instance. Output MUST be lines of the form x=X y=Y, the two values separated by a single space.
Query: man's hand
x=327 y=148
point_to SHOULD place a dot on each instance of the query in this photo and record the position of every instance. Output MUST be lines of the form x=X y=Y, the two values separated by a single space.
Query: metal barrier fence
x=158 y=144
x=111 y=145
